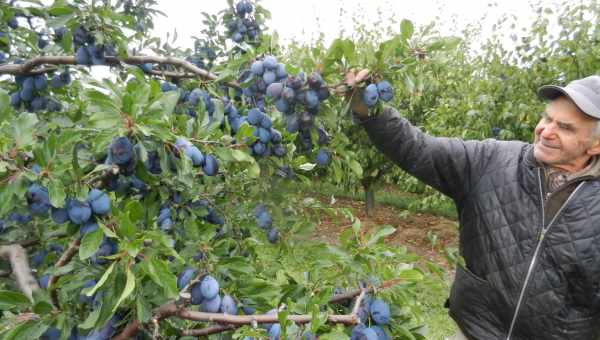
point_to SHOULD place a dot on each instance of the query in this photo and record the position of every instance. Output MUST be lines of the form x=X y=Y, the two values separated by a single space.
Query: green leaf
x=143 y=309
x=10 y=299
x=103 y=110
x=334 y=335
x=43 y=307
x=32 y=329
x=356 y=225
x=412 y=275
x=125 y=227
x=129 y=287
x=92 y=290
x=406 y=29
x=58 y=10
x=307 y=166
x=23 y=129
x=90 y=243
x=56 y=192
x=4 y=102
x=381 y=233
x=160 y=274
x=107 y=231
x=92 y=319
x=254 y=170
x=355 y=167
x=242 y=156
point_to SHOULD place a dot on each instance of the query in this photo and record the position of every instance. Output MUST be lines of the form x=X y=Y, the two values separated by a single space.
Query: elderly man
x=529 y=216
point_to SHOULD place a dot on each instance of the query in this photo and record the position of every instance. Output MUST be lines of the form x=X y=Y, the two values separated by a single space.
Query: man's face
x=563 y=137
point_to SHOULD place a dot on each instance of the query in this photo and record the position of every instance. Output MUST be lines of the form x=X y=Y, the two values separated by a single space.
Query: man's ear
x=594 y=149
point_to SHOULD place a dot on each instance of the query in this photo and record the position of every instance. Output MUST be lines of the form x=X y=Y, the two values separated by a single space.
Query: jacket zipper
x=537 y=249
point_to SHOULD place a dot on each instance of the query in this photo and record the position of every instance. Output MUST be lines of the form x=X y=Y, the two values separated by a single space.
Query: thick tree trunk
x=369 y=199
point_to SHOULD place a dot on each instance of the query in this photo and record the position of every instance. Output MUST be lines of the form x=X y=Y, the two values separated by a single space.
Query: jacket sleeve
x=450 y=165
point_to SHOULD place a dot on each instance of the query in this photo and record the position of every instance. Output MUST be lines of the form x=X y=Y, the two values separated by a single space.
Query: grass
x=432 y=292
x=414 y=203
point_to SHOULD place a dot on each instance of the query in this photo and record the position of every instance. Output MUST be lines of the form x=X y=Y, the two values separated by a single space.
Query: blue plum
x=264 y=220
x=121 y=150
x=38 y=200
x=52 y=333
x=274 y=90
x=228 y=305
x=270 y=62
x=44 y=281
x=255 y=116
x=209 y=287
x=275 y=332
x=99 y=201
x=257 y=68
x=371 y=95
x=196 y=294
x=273 y=235
x=380 y=312
x=211 y=165
x=385 y=90
x=79 y=212
x=381 y=334
x=40 y=82
x=185 y=277
x=82 y=56
x=323 y=157
x=211 y=305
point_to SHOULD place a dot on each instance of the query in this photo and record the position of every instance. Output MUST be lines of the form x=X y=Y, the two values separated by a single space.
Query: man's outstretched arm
x=450 y=165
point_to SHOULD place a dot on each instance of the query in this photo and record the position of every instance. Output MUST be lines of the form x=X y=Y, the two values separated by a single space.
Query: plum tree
x=136 y=225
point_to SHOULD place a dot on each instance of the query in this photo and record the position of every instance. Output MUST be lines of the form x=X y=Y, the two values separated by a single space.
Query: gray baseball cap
x=585 y=93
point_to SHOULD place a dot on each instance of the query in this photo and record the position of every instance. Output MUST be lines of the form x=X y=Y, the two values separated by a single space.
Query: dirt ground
x=411 y=228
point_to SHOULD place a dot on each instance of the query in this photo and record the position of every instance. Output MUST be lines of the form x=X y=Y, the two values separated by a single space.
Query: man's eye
x=565 y=127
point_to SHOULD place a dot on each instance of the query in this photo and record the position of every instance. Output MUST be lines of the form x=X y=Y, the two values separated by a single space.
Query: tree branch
x=64 y=259
x=208 y=330
x=29 y=66
x=353 y=293
x=17 y=256
x=230 y=322
x=34 y=241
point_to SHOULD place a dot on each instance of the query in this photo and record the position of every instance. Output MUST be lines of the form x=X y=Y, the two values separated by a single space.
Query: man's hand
x=355 y=93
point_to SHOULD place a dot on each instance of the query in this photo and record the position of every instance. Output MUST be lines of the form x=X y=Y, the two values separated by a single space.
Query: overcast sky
x=304 y=20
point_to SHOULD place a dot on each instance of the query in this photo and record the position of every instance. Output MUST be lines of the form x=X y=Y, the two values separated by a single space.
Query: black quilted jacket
x=525 y=277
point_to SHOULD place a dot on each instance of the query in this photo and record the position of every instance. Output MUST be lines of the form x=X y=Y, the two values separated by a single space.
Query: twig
x=230 y=322
x=185 y=314
x=353 y=293
x=33 y=241
x=64 y=259
x=29 y=65
x=156 y=333
x=358 y=302
x=164 y=311
x=208 y=330
x=17 y=256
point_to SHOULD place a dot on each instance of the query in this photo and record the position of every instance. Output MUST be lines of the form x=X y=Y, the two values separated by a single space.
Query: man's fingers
x=361 y=75
x=350 y=79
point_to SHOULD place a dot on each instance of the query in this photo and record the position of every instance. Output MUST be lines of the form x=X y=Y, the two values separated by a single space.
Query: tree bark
x=369 y=199
x=17 y=256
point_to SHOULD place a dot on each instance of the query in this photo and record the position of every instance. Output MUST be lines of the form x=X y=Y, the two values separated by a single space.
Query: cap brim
x=551 y=92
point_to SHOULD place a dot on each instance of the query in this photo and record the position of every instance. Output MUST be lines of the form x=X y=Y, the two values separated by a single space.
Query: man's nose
x=548 y=131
